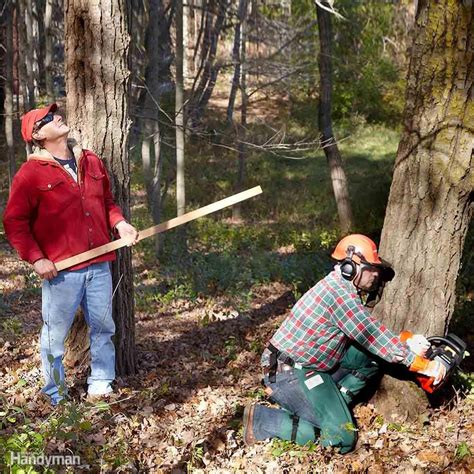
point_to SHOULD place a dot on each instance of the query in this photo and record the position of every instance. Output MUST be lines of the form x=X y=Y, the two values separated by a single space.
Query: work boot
x=248 y=435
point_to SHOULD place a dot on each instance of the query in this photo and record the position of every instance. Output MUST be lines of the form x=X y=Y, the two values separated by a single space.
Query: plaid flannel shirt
x=326 y=318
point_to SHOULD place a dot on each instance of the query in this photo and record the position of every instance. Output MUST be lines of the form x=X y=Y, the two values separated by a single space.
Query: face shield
x=372 y=282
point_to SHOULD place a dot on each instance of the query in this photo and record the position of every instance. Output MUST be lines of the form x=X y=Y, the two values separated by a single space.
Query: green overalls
x=329 y=399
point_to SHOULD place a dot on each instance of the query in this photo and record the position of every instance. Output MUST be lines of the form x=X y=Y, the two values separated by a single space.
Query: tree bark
x=8 y=88
x=77 y=343
x=189 y=43
x=237 y=209
x=26 y=57
x=179 y=113
x=158 y=86
x=186 y=21
x=236 y=59
x=431 y=196
x=327 y=140
x=137 y=14
x=32 y=39
x=210 y=67
x=156 y=194
x=48 y=55
x=97 y=78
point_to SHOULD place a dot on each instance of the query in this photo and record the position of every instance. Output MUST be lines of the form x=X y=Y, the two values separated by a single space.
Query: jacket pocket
x=96 y=175
x=49 y=186
x=53 y=198
x=95 y=183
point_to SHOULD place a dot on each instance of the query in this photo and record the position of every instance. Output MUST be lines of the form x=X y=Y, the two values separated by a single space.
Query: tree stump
x=399 y=400
x=77 y=343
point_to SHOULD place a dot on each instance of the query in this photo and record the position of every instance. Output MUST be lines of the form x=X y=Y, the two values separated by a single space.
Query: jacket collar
x=41 y=154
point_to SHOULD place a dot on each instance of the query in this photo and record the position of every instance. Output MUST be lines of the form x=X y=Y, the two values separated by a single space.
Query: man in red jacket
x=60 y=205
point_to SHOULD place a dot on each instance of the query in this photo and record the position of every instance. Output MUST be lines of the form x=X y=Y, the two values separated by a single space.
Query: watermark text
x=34 y=459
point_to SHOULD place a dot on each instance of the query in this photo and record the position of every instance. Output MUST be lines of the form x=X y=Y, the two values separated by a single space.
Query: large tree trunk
x=97 y=78
x=327 y=140
x=431 y=197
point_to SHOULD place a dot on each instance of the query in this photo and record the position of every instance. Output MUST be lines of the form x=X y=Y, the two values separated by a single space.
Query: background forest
x=221 y=95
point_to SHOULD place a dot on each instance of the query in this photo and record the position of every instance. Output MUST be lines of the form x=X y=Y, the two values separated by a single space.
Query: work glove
x=431 y=368
x=417 y=343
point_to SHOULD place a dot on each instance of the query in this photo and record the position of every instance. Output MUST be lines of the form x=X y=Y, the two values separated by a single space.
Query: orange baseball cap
x=30 y=118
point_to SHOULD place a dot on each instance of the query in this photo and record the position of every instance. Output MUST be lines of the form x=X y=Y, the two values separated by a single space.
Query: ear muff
x=348 y=266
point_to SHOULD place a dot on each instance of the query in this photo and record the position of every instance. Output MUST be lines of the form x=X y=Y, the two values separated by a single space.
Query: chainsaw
x=449 y=351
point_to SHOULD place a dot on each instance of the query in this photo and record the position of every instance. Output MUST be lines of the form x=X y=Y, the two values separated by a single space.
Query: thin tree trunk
x=8 y=84
x=199 y=22
x=137 y=16
x=291 y=60
x=157 y=198
x=237 y=209
x=236 y=59
x=431 y=197
x=185 y=41
x=48 y=56
x=179 y=113
x=211 y=67
x=16 y=57
x=97 y=79
x=190 y=44
x=153 y=102
x=32 y=60
x=327 y=140
x=39 y=42
x=151 y=148
x=26 y=57
x=146 y=157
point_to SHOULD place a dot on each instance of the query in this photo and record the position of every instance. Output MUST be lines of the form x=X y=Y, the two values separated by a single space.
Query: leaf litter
x=198 y=365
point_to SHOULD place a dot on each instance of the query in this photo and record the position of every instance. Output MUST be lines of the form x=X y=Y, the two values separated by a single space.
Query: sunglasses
x=45 y=120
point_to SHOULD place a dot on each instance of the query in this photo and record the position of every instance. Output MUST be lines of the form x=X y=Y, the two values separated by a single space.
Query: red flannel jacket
x=49 y=215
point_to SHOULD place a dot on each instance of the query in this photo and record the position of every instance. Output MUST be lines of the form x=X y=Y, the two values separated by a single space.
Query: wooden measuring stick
x=143 y=234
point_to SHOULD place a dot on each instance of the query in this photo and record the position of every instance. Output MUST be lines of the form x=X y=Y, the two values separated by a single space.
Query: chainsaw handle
x=451 y=340
x=427 y=383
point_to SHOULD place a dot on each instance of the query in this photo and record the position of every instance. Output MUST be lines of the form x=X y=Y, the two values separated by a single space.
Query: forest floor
x=200 y=331
x=198 y=366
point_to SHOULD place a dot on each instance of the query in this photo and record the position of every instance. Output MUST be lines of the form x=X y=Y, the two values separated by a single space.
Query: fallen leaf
x=379 y=444
x=430 y=456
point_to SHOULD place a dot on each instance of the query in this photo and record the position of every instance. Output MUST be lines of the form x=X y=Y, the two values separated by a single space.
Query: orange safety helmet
x=359 y=248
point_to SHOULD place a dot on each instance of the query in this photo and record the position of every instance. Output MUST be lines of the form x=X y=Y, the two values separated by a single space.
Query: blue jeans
x=90 y=288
